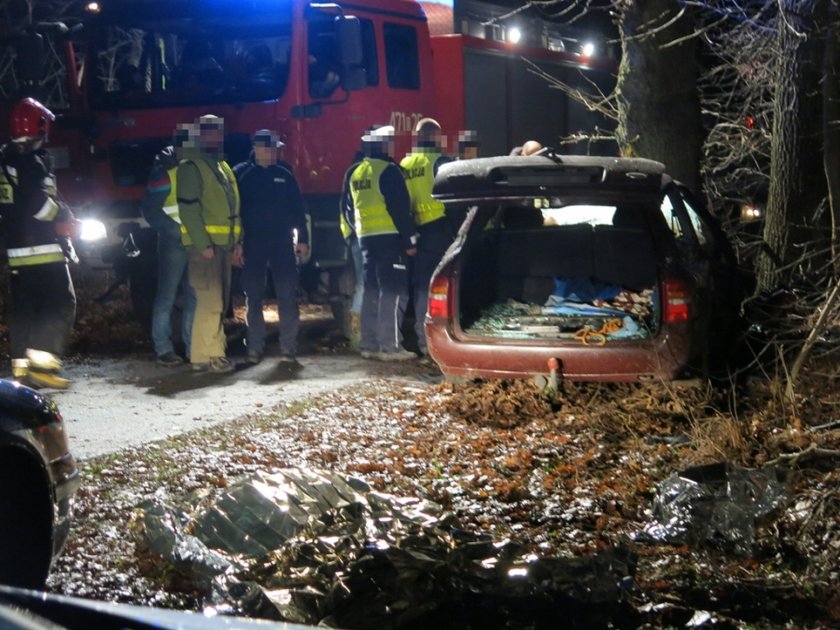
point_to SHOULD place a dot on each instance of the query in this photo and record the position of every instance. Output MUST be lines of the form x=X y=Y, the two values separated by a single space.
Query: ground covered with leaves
x=565 y=474
x=587 y=471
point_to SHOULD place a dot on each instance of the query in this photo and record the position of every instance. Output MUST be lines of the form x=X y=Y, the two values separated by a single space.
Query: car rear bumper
x=664 y=357
x=67 y=481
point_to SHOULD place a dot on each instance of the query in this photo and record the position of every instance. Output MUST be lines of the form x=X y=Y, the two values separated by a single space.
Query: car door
x=716 y=248
x=710 y=258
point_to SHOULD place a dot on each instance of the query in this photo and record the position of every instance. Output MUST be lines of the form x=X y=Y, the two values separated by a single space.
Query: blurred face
x=213 y=139
x=265 y=156
x=468 y=153
x=428 y=138
x=388 y=148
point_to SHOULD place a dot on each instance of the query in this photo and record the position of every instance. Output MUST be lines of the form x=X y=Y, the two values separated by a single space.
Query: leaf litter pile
x=502 y=498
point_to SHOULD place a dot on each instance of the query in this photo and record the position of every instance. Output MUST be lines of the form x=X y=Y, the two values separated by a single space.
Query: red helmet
x=30 y=119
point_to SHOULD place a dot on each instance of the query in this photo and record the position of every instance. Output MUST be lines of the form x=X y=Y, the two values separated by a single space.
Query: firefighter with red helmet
x=36 y=229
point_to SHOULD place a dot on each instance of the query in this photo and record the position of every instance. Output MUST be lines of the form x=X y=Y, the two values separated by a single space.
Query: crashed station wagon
x=593 y=268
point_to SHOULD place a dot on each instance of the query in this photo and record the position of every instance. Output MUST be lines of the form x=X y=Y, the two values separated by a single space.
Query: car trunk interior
x=524 y=277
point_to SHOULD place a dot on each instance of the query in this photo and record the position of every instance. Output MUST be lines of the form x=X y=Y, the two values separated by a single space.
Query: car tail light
x=676 y=298
x=439 y=297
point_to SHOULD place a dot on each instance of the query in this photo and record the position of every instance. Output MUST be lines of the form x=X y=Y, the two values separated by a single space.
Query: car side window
x=677 y=218
x=667 y=208
x=704 y=236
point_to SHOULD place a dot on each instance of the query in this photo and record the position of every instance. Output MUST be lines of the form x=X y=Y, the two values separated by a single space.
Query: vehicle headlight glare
x=92 y=230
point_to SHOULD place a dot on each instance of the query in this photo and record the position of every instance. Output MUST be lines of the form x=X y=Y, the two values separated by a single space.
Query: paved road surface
x=127 y=402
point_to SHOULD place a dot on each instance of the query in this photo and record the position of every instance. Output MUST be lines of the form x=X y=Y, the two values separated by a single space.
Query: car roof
x=524 y=176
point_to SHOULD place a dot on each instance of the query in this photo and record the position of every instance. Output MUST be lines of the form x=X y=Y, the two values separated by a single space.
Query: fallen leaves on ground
x=568 y=475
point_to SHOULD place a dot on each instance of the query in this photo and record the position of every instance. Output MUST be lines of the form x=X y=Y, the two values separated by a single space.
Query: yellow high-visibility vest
x=420 y=180
x=372 y=217
x=222 y=227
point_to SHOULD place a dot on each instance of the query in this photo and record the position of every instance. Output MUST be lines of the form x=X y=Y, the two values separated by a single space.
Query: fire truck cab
x=318 y=73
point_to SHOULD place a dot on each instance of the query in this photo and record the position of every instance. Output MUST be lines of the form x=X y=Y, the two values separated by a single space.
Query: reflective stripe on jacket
x=30 y=209
x=372 y=217
x=420 y=180
x=218 y=206
x=8 y=182
x=35 y=255
x=170 y=204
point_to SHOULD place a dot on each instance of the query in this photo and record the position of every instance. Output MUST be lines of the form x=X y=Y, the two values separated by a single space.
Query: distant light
x=514 y=35
x=93 y=7
x=751 y=212
x=588 y=49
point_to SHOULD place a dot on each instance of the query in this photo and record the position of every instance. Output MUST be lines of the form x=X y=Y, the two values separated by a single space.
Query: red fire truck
x=319 y=73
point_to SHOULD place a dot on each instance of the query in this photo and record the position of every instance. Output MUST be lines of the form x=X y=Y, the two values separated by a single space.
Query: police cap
x=268 y=138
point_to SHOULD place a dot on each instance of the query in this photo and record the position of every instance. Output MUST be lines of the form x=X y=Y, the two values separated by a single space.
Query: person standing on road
x=208 y=205
x=275 y=232
x=37 y=228
x=376 y=192
x=160 y=208
x=435 y=233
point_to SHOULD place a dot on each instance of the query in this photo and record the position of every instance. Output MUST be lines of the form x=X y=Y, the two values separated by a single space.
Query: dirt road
x=115 y=403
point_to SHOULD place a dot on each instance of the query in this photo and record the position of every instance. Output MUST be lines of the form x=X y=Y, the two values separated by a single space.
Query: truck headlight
x=92 y=230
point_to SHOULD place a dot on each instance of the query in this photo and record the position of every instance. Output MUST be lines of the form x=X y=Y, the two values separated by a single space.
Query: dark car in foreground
x=601 y=268
x=38 y=478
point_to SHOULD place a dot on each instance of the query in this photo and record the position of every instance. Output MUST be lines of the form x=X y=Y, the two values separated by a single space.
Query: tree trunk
x=831 y=133
x=659 y=104
x=797 y=182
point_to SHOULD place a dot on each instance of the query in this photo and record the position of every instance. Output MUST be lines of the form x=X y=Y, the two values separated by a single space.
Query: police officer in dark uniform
x=376 y=200
x=36 y=228
x=275 y=232
x=434 y=229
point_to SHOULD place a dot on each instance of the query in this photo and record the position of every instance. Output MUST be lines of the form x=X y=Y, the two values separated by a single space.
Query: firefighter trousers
x=385 y=295
x=42 y=308
x=210 y=280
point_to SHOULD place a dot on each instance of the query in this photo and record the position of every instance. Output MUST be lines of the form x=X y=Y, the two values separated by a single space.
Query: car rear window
x=545 y=213
x=574 y=215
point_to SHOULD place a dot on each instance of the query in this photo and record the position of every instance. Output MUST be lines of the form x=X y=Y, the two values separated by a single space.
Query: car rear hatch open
x=556 y=252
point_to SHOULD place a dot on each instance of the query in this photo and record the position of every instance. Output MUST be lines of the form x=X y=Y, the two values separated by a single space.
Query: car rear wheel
x=25 y=521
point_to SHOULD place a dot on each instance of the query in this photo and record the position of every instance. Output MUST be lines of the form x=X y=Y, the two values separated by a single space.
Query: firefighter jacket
x=376 y=189
x=160 y=205
x=32 y=215
x=208 y=203
x=272 y=205
x=420 y=168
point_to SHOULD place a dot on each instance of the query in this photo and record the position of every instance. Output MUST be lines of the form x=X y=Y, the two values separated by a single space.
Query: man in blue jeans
x=160 y=208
